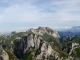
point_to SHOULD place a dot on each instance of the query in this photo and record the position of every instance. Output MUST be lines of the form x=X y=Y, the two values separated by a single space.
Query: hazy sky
x=23 y=14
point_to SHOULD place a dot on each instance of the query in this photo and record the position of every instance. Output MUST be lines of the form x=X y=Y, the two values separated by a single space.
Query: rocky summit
x=36 y=48
x=34 y=45
x=43 y=30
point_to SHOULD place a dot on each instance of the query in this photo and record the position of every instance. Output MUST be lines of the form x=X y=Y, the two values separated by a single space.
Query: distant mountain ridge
x=75 y=30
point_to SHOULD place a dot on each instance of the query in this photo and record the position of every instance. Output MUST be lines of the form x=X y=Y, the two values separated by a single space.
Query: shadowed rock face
x=33 y=43
x=3 y=54
x=40 y=49
x=1 y=58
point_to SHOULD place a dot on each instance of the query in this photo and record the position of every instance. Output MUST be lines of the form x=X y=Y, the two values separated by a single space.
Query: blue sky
x=21 y=15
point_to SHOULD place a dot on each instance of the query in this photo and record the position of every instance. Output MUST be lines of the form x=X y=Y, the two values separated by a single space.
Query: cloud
x=33 y=13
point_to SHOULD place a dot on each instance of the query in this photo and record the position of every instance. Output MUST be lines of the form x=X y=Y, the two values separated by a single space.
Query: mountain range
x=75 y=30
x=43 y=43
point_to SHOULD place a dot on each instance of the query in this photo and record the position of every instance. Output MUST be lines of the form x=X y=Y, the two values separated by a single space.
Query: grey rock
x=43 y=30
x=41 y=49
x=3 y=54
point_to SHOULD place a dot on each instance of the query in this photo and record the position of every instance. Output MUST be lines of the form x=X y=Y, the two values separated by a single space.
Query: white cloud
x=40 y=12
x=18 y=13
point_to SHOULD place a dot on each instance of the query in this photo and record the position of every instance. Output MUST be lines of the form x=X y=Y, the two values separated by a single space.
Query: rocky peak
x=37 y=47
x=32 y=42
x=43 y=30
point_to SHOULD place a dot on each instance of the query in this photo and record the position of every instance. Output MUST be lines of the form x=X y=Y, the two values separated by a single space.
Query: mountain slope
x=37 y=48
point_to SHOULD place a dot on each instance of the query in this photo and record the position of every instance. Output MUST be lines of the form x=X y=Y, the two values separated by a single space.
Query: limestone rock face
x=3 y=54
x=41 y=49
x=74 y=46
x=43 y=30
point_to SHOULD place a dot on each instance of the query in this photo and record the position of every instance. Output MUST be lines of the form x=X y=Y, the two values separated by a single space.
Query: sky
x=20 y=15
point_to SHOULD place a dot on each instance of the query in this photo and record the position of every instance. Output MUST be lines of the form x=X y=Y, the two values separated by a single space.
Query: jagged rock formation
x=3 y=54
x=66 y=38
x=43 y=30
x=75 y=30
x=74 y=46
x=40 y=49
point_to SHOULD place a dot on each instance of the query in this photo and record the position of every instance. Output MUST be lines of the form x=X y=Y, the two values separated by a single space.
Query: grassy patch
x=76 y=39
x=62 y=54
x=49 y=38
x=11 y=55
x=77 y=50
x=28 y=56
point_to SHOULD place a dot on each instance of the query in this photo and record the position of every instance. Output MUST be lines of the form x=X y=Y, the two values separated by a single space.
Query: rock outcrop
x=43 y=30
x=74 y=46
x=40 y=49
x=3 y=54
